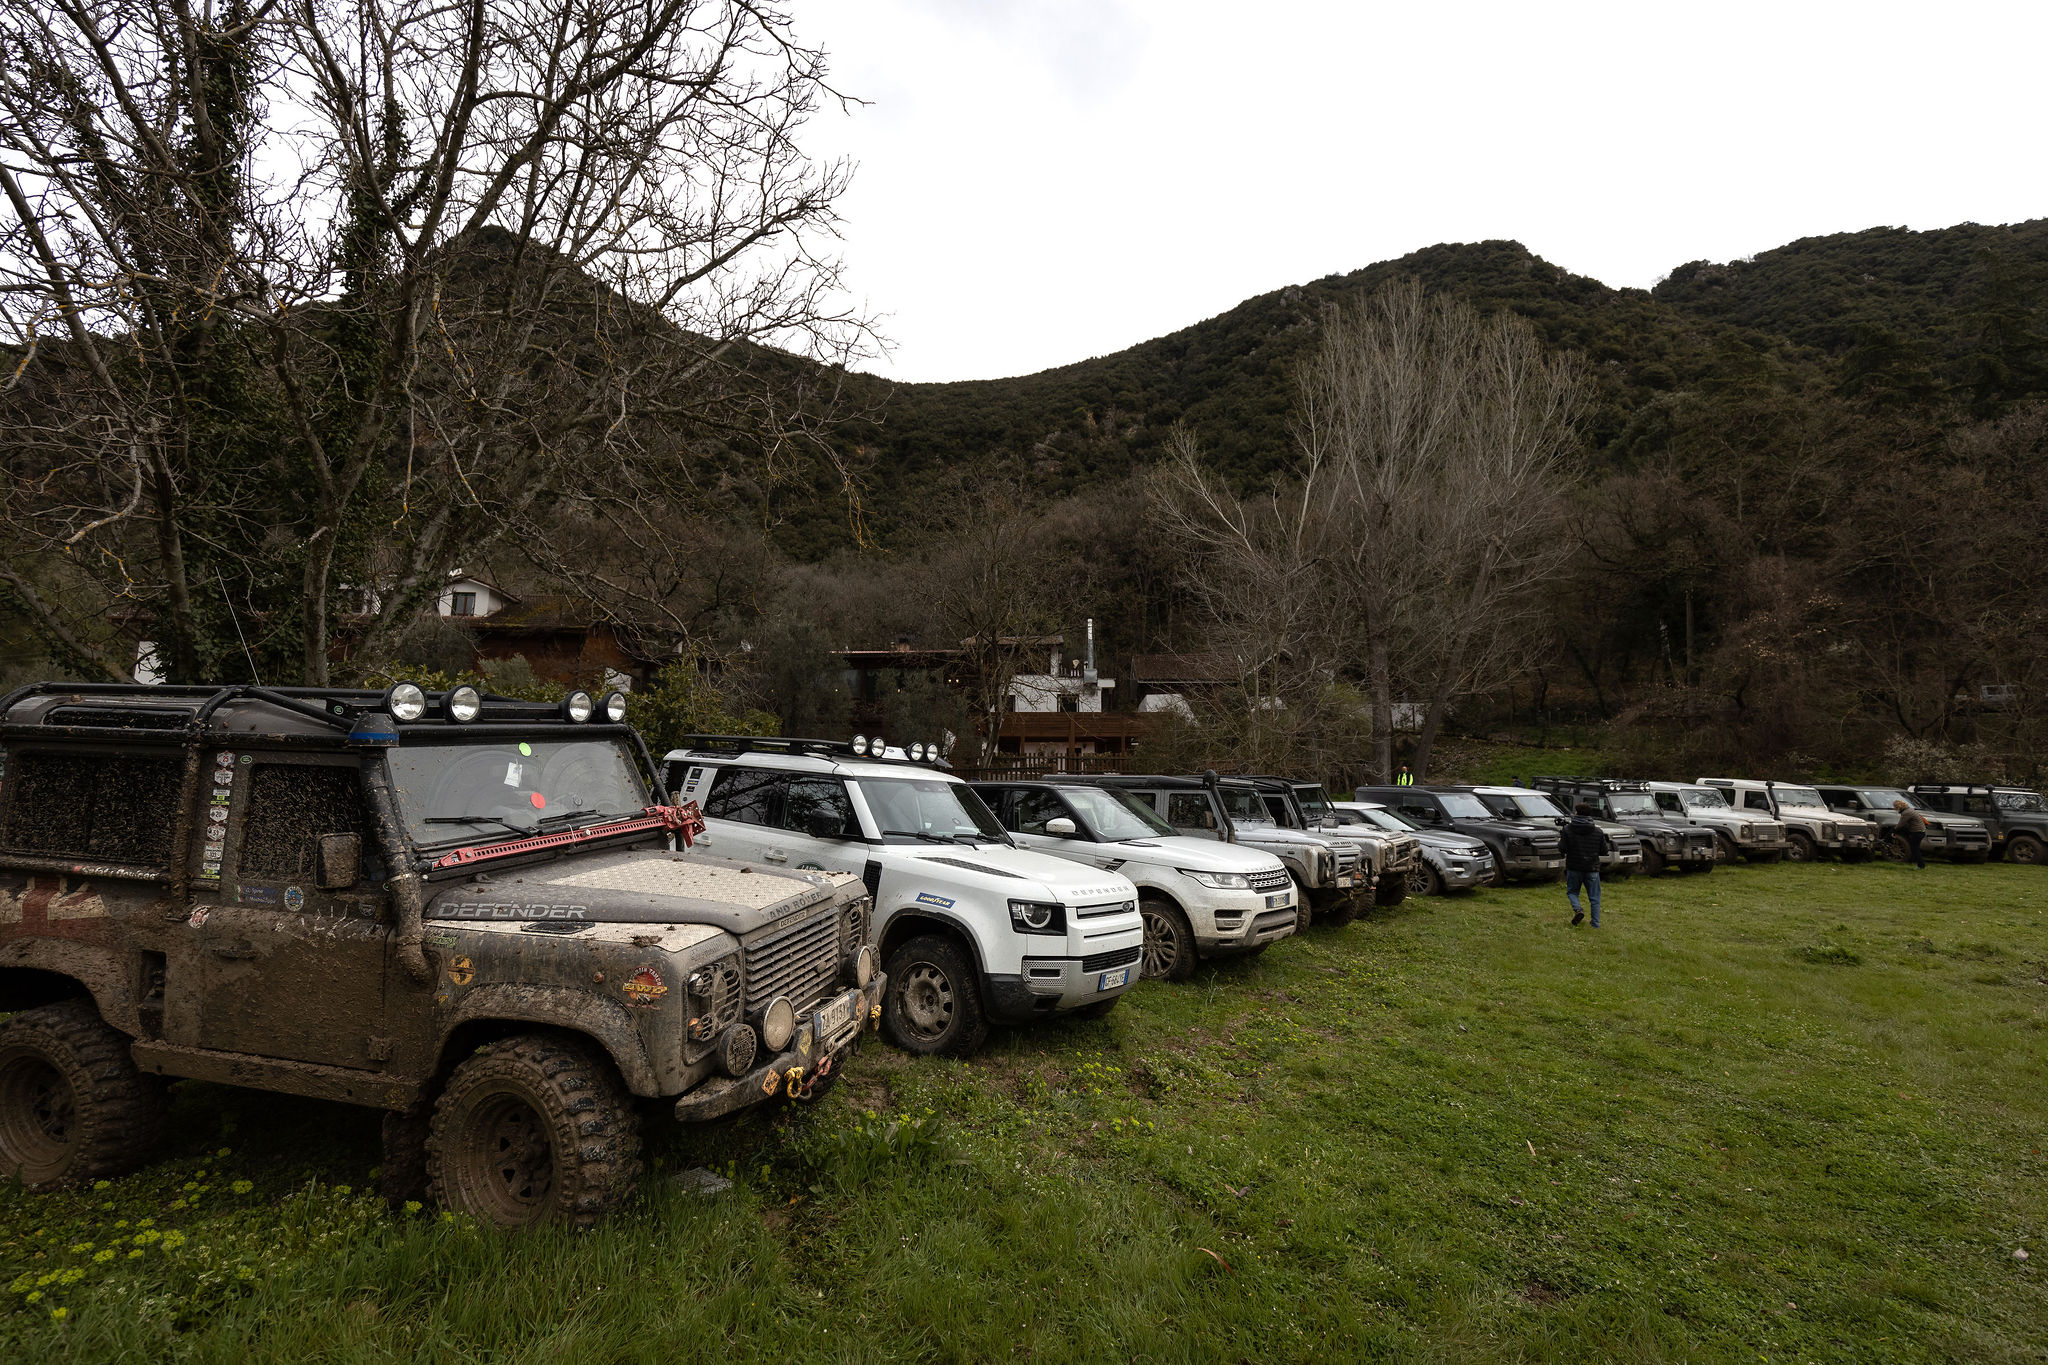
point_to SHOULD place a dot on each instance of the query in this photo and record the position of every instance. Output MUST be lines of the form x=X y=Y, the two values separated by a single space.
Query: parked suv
x=1326 y=873
x=1959 y=838
x=1198 y=897
x=462 y=910
x=1738 y=834
x=1521 y=851
x=971 y=928
x=1445 y=861
x=1624 y=848
x=1667 y=841
x=2017 y=817
x=1390 y=854
x=1811 y=829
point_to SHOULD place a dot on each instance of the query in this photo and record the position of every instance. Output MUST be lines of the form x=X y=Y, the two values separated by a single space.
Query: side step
x=310 y=1079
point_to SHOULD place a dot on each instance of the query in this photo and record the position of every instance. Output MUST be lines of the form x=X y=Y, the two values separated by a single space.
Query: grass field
x=1780 y=1114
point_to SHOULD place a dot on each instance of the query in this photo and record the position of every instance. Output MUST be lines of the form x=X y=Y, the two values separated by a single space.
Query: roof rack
x=1606 y=784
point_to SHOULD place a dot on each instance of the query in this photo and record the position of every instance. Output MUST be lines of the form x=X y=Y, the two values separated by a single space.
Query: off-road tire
x=1892 y=848
x=1620 y=872
x=1724 y=848
x=1169 y=953
x=1653 y=861
x=2025 y=848
x=534 y=1129
x=1390 y=891
x=73 y=1106
x=1304 y=913
x=1424 y=880
x=1799 y=847
x=933 y=1004
x=402 y=1173
x=1340 y=912
x=1099 y=1010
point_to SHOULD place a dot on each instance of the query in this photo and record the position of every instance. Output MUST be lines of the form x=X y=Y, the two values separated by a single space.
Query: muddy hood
x=638 y=887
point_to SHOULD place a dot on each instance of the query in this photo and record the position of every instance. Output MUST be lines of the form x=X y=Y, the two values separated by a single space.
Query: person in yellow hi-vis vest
x=1404 y=778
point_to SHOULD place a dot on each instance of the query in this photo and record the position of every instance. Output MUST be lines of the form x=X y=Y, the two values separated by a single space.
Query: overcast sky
x=1042 y=181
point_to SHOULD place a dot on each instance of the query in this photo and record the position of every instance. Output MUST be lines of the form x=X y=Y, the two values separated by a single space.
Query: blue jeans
x=1591 y=881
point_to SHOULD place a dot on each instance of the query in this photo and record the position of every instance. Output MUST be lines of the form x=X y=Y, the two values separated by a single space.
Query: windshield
x=2021 y=801
x=1464 y=806
x=1314 y=803
x=928 y=810
x=1243 y=805
x=449 y=793
x=1114 y=815
x=1798 y=796
x=1884 y=796
x=1702 y=798
x=1632 y=803
x=1384 y=819
x=1525 y=807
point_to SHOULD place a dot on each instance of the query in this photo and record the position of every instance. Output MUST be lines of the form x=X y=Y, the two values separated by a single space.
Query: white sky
x=1045 y=180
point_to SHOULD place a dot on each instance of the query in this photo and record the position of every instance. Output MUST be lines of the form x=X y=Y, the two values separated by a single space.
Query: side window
x=1669 y=801
x=1756 y=801
x=1845 y=800
x=289 y=806
x=115 y=807
x=1189 y=810
x=747 y=796
x=819 y=807
x=1979 y=805
x=1034 y=807
x=1420 y=807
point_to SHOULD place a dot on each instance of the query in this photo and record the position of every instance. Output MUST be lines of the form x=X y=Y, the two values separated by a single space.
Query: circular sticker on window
x=525 y=749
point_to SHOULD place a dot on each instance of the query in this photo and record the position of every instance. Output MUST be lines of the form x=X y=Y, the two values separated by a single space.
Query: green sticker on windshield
x=526 y=749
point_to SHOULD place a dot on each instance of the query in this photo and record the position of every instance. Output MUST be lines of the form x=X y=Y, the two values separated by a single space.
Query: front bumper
x=1530 y=865
x=1051 y=985
x=808 y=1060
x=1462 y=874
x=1245 y=919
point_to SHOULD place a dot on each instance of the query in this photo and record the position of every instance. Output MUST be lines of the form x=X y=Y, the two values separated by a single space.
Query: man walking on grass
x=1583 y=845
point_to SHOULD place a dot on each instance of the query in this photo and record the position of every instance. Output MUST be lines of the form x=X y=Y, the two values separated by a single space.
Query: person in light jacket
x=1583 y=845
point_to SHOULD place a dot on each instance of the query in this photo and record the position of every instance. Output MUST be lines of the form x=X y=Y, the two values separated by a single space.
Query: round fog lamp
x=577 y=706
x=736 y=1050
x=463 y=704
x=864 y=965
x=614 y=707
x=405 y=701
x=778 y=1023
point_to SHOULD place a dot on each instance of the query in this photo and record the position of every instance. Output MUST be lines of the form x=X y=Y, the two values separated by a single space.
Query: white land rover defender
x=980 y=930
x=1811 y=829
x=1737 y=834
x=1199 y=898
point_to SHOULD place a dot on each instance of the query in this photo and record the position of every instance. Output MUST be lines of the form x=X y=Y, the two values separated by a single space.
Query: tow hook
x=875 y=1015
x=794 y=1077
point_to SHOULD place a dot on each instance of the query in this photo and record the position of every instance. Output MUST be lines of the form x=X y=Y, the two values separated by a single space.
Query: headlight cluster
x=1519 y=843
x=1038 y=917
x=1217 y=881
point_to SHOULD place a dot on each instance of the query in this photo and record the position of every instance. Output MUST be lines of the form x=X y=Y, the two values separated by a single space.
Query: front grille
x=1115 y=957
x=1627 y=845
x=798 y=962
x=1271 y=920
x=1110 y=908
x=1347 y=861
x=1548 y=845
x=1275 y=880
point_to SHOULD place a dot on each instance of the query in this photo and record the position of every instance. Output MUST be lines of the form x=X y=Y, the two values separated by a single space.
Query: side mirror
x=1208 y=819
x=824 y=824
x=1060 y=826
x=341 y=861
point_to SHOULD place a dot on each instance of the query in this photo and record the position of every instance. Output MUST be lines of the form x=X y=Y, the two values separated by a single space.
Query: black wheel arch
x=906 y=925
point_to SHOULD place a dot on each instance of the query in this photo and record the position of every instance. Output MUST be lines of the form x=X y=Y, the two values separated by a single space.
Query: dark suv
x=463 y=910
x=1521 y=851
x=1667 y=842
x=2018 y=817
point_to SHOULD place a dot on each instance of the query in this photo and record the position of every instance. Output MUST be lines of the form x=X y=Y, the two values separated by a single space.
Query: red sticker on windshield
x=539 y=802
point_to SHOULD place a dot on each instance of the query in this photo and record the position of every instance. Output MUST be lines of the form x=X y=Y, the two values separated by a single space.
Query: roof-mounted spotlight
x=405 y=701
x=463 y=704
x=578 y=706
x=916 y=751
x=860 y=744
x=612 y=705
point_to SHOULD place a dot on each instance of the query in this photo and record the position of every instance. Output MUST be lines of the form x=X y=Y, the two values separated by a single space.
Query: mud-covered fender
x=558 y=1006
x=100 y=972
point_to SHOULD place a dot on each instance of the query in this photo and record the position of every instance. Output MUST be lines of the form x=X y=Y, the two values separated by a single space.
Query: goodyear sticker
x=460 y=972
x=927 y=898
x=644 y=988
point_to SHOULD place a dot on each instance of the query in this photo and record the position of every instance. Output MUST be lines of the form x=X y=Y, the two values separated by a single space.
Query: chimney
x=1088 y=677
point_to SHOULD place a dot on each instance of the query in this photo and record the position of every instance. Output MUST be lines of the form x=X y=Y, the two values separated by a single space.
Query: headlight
x=578 y=706
x=864 y=965
x=1217 y=881
x=1519 y=843
x=614 y=707
x=778 y=1023
x=463 y=704
x=405 y=701
x=1038 y=917
x=1668 y=840
x=1745 y=831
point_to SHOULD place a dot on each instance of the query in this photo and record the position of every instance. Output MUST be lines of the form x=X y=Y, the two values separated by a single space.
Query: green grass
x=1790 y=1113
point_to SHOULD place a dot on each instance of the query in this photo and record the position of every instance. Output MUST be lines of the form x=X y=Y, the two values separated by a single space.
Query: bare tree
x=307 y=288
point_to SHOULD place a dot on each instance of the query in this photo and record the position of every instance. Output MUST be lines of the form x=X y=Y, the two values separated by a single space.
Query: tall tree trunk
x=1382 y=684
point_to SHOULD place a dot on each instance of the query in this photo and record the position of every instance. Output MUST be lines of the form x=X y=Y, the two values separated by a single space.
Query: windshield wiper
x=568 y=817
x=923 y=834
x=480 y=820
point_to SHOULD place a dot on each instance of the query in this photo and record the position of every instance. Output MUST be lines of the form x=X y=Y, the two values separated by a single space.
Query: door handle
x=234 y=953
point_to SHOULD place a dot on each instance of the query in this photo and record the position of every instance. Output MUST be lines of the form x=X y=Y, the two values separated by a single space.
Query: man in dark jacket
x=1583 y=845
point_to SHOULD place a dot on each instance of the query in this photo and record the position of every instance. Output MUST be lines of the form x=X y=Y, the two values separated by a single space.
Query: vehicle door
x=743 y=814
x=1193 y=813
x=1840 y=800
x=1669 y=803
x=295 y=959
x=1027 y=811
x=1759 y=802
x=820 y=832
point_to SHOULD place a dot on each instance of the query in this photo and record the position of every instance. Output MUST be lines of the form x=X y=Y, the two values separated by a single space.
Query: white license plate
x=833 y=1017
x=1553 y=862
x=1109 y=981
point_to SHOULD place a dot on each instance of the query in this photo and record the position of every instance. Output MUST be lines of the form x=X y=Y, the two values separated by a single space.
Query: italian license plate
x=1109 y=981
x=1553 y=862
x=1275 y=902
x=833 y=1017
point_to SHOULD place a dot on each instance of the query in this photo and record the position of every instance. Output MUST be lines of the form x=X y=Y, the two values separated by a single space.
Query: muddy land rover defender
x=2018 y=817
x=465 y=911
x=1666 y=840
